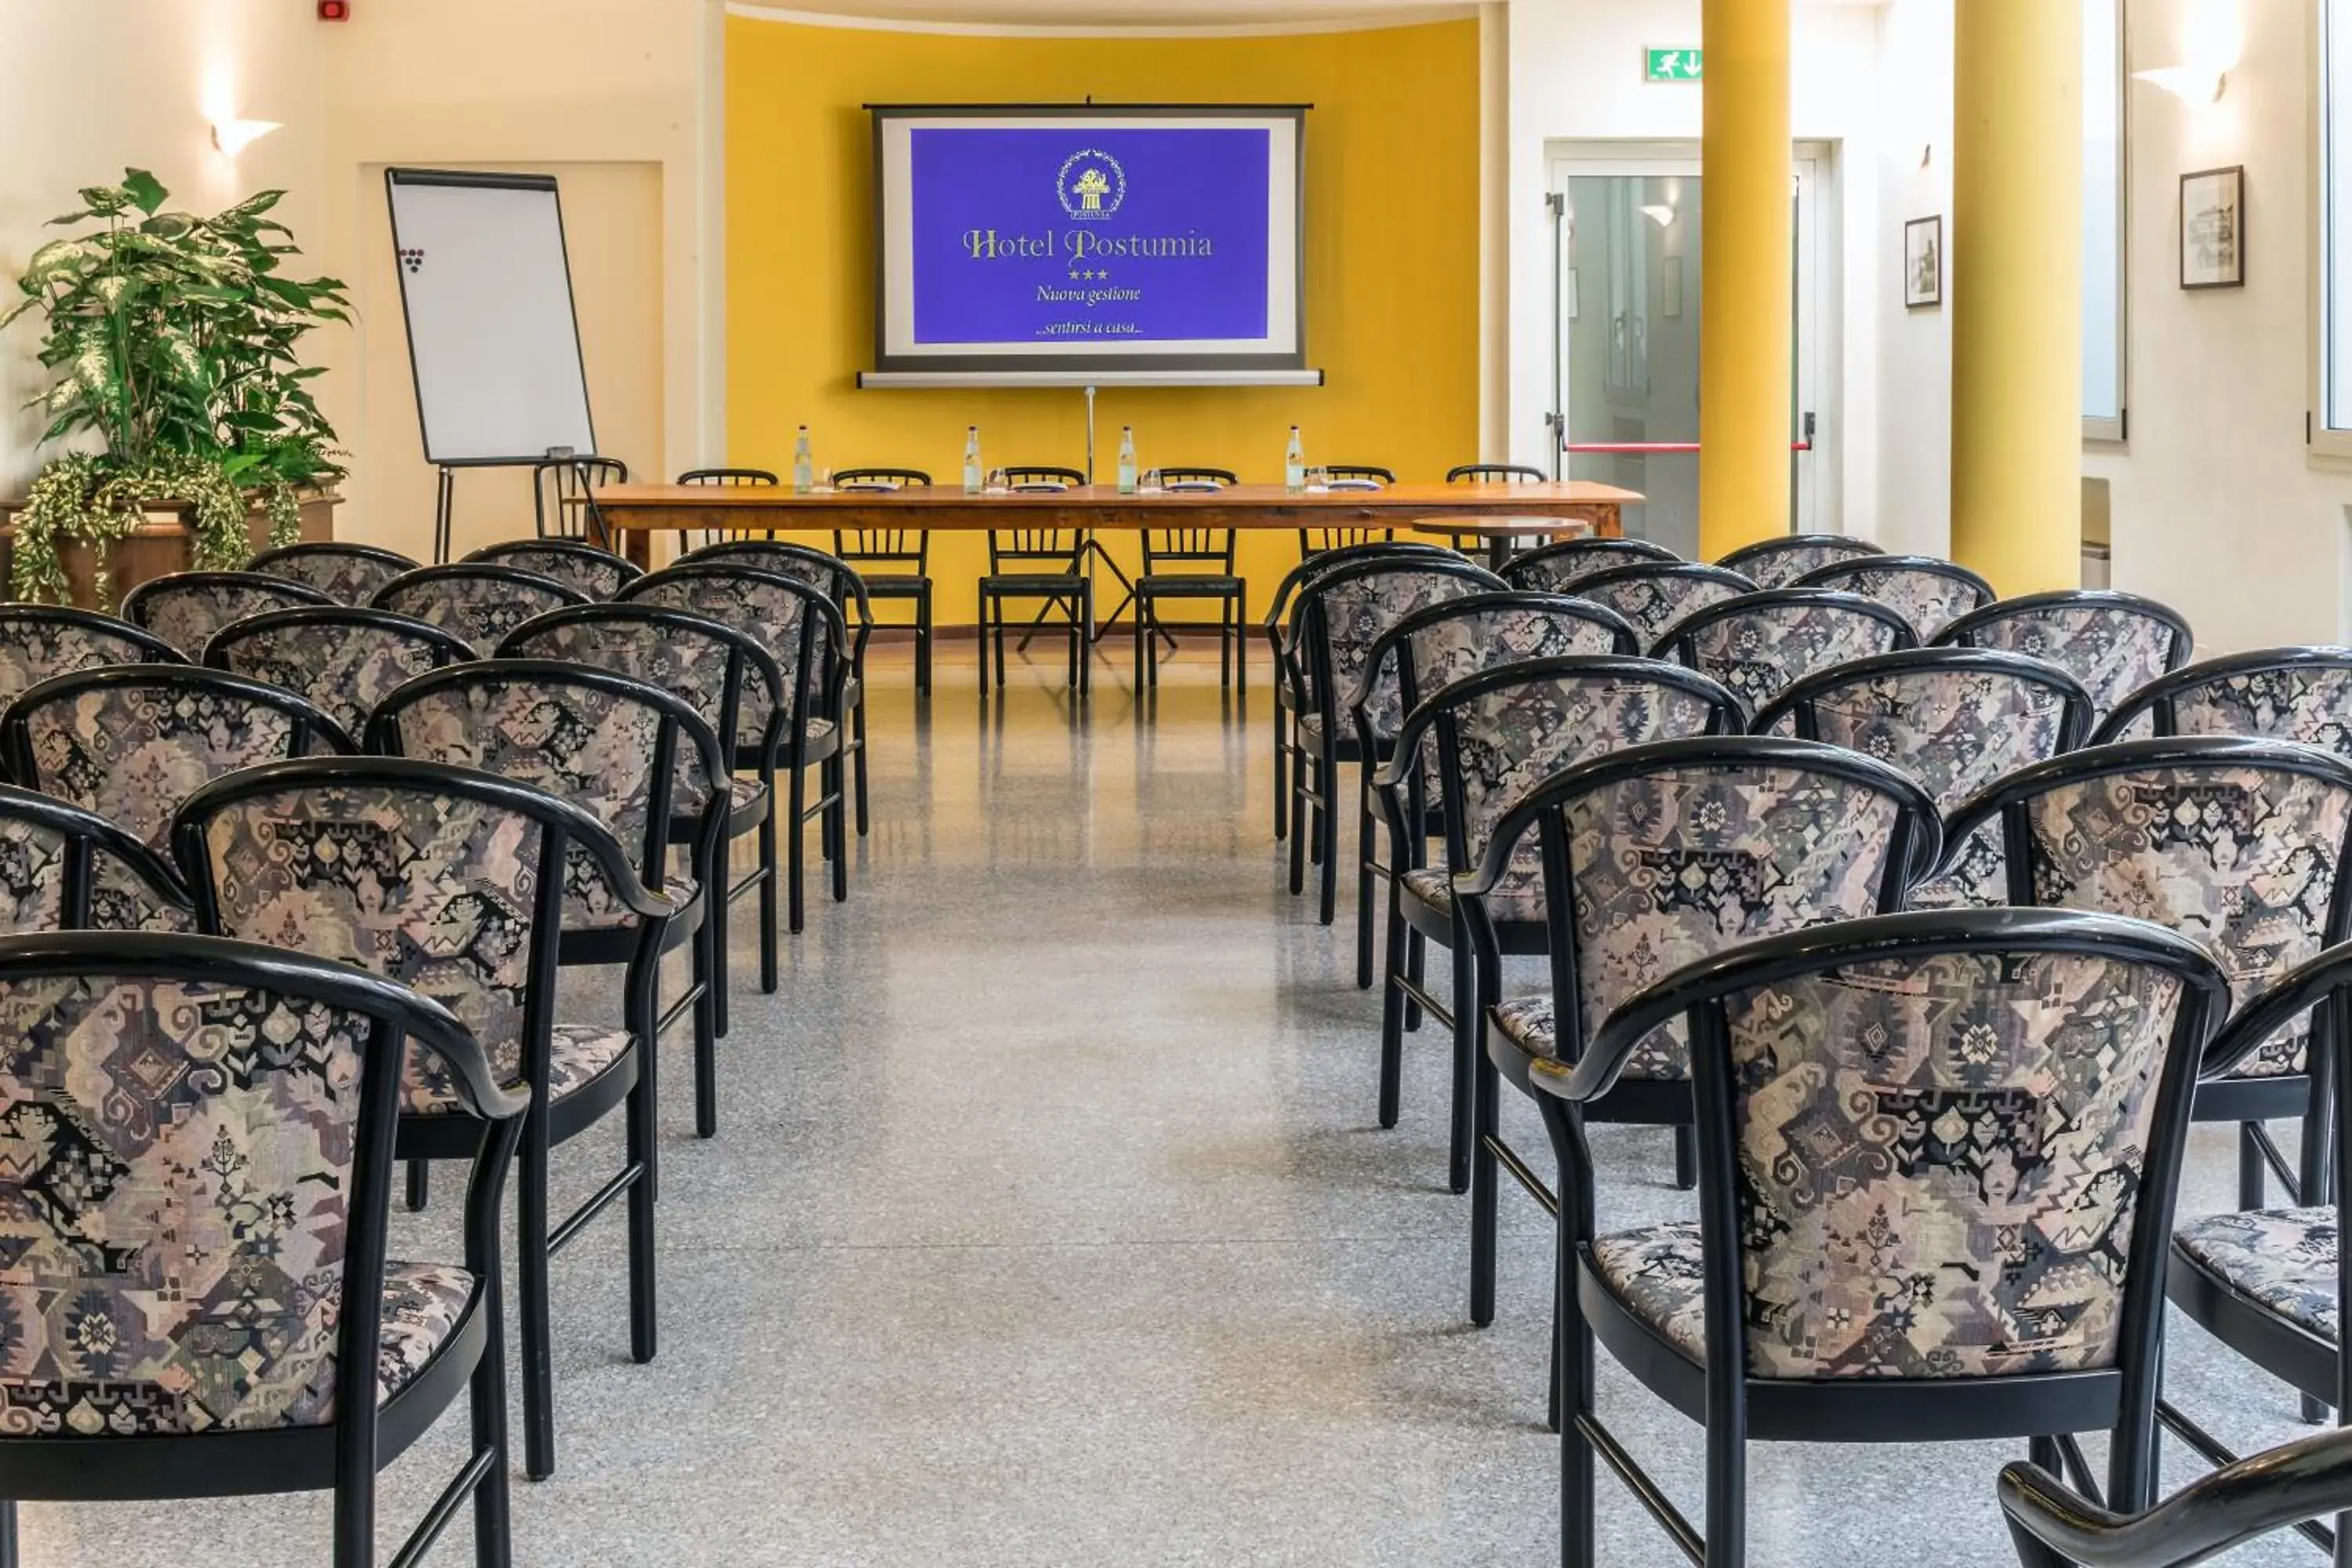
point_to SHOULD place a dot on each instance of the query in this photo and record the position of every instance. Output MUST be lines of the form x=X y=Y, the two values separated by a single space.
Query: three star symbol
x=1082 y=274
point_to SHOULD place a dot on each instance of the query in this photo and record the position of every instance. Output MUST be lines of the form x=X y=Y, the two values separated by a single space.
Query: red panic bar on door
x=1654 y=448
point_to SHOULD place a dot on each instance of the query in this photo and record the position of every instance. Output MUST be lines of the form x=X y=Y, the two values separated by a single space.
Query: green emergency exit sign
x=1674 y=64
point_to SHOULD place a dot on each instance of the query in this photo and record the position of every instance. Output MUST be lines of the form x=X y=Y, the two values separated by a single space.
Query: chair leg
x=1416 y=964
x=1000 y=644
x=1301 y=827
x=420 y=1190
x=837 y=816
x=1142 y=632
x=1726 y=1491
x=857 y=767
x=531 y=1269
x=923 y=641
x=1281 y=778
x=796 y=845
x=1392 y=1018
x=1081 y=645
x=1472 y=982
x=355 y=1521
x=1241 y=640
x=1367 y=847
x=1486 y=1176
x=641 y=1133
x=487 y=1410
x=771 y=874
x=8 y=1554
x=1686 y=1157
x=1572 y=1361
x=1327 y=841
x=715 y=927
x=2249 y=1168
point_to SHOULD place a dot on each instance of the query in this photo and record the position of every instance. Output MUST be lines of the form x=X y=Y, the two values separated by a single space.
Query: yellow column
x=2016 y=289
x=1747 y=270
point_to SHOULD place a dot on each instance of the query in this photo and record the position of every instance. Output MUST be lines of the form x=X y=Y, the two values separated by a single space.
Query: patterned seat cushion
x=2282 y=1258
x=1531 y=1024
x=1518 y=897
x=422 y=1305
x=1658 y=1274
x=576 y=1055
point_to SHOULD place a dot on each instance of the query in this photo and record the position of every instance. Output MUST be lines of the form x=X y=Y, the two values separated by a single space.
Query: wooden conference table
x=636 y=512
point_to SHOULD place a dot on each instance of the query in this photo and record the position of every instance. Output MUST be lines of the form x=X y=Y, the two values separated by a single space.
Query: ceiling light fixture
x=2214 y=37
x=1660 y=213
x=234 y=136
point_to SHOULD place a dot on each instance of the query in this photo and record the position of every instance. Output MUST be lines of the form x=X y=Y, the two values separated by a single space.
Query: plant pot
x=159 y=547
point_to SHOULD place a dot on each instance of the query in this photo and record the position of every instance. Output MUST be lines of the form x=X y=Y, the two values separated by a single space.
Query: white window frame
x=2103 y=428
x=2330 y=448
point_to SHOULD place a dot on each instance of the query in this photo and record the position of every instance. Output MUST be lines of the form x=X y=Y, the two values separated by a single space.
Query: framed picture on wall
x=1923 y=263
x=2213 y=228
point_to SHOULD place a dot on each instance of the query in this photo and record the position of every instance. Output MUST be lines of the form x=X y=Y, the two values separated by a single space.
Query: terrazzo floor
x=1048 y=1223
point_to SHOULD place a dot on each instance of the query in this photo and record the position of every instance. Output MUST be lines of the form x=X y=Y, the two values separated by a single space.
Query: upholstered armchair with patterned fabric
x=1557 y=568
x=130 y=741
x=2113 y=643
x=1279 y=627
x=1928 y=592
x=2269 y=1282
x=1654 y=596
x=347 y=573
x=343 y=659
x=1937 y=1159
x=845 y=586
x=1657 y=856
x=711 y=666
x=185 y=609
x=2240 y=843
x=1955 y=718
x=451 y=882
x=478 y=602
x=64 y=868
x=2281 y=693
x=1778 y=563
x=198 y=1191
x=1759 y=643
x=803 y=630
x=610 y=745
x=1460 y=760
x=1438 y=645
x=599 y=573
x=1339 y=615
x=37 y=641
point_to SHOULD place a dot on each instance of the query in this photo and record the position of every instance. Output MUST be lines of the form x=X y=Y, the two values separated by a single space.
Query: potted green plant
x=171 y=340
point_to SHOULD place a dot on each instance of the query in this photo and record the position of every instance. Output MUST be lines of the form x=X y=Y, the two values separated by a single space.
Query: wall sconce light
x=2214 y=38
x=234 y=136
x=1660 y=213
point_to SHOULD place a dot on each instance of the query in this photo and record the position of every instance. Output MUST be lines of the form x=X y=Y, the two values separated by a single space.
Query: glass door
x=1629 y=223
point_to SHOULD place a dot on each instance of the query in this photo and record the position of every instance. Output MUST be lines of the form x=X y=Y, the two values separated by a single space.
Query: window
x=2102 y=219
x=2333 y=343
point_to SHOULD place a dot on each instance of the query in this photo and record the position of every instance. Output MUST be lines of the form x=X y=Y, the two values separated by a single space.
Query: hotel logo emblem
x=1091 y=183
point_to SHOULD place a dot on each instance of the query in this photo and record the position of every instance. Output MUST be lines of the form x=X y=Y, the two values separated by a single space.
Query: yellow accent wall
x=1391 y=254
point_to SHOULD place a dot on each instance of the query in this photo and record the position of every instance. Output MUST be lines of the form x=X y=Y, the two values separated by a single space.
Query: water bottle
x=1294 y=464
x=1127 y=459
x=973 y=483
x=804 y=466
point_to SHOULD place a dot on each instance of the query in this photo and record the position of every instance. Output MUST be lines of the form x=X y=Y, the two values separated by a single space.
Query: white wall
x=77 y=105
x=1913 y=346
x=1575 y=75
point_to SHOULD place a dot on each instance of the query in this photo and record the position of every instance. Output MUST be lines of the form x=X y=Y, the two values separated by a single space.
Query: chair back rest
x=1210 y=546
x=185 y=609
x=343 y=659
x=1374 y=472
x=1442 y=643
x=799 y=625
x=880 y=478
x=1482 y=742
x=601 y=741
x=1654 y=596
x=479 y=601
x=347 y=573
x=1778 y=563
x=559 y=482
x=444 y=878
x=1759 y=643
x=709 y=664
x=2240 y=843
x=1062 y=548
x=1043 y=476
x=130 y=741
x=828 y=574
x=64 y=868
x=37 y=641
x=726 y=476
x=1343 y=612
x=1994 y=1100
x=1220 y=477
x=1557 y=568
x=1495 y=473
x=201 y=1182
x=1659 y=856
x=1928 y=592
x=598 y=573
x=1314 y=564
x=2281 y=693
x=2113 y=643
x=1956 y=720
x=897 y=545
